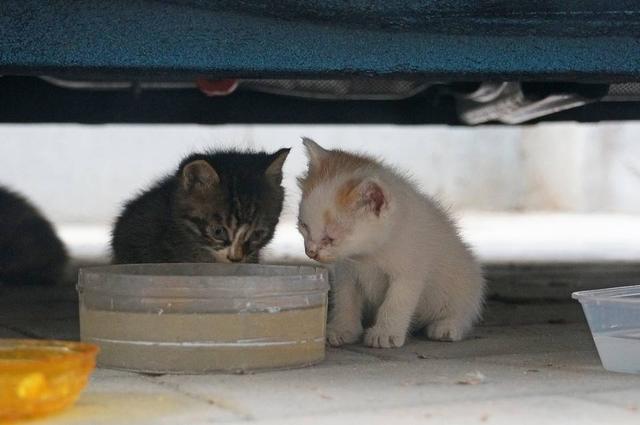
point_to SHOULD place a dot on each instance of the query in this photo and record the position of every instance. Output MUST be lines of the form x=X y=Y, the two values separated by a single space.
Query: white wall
x=82 y=174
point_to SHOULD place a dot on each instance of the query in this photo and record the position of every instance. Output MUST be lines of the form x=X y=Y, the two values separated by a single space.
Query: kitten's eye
x=327 y=240
x=219 y=232
x=257 y=235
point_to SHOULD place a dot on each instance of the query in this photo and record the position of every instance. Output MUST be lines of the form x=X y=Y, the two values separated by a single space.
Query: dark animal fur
x=175 y=220
x=30 y=250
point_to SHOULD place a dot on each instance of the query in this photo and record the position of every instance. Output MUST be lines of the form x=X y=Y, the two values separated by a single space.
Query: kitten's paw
x=337 y=336
x=378 y=337
x=445 y=330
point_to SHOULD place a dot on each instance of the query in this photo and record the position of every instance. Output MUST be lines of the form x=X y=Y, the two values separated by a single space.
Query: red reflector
x=216 y=87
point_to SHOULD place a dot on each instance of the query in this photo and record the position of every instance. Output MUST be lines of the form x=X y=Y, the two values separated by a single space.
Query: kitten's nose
x=311 y=250
x=235 y=253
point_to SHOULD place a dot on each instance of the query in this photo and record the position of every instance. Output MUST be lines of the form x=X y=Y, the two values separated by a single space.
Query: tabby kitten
x=217 y=207
x=397 y=253
x=30 y=250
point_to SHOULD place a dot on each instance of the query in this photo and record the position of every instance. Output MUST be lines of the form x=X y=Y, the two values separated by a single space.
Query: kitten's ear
x=372 y=196
x=277 y=162
x=315 y=152
x=199 y=175
x=363 y=194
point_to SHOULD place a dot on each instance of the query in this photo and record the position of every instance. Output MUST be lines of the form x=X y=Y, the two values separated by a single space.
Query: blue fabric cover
x=440 y=39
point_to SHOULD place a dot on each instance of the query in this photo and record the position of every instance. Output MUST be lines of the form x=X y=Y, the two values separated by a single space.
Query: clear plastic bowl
x=614 y=319
x=198 y=318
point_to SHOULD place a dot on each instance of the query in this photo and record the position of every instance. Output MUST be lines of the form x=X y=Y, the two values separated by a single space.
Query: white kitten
x=396 y=252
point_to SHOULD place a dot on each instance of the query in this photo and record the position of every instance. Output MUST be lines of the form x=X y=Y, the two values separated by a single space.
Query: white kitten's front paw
x=338 y=335
x=380 y=337
x=445 y=330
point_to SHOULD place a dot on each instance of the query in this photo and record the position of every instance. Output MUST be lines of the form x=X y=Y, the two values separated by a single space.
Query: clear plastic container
x=198 y=318
x=614 y=319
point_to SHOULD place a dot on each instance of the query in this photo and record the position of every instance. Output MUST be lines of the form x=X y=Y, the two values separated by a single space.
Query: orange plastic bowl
x=38 y=377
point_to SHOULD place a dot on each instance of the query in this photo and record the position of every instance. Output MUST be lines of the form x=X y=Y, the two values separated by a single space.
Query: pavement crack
x=213 y=401
x=21 y=331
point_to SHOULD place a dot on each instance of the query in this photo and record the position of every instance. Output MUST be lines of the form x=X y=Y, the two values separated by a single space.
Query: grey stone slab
x=586 y=361
x=135 y=400
x=528 y=371
x=27 y=307
x=387 y=384
x=498 y=313
x=492 y=340
x=13 y=313
x=102 y=373
x=66 y=329
x=552 y=280
x=341 y=357
x=11 y=333
x=28 y=295
x=538 y=410
x=628 y=399
x=40 y=312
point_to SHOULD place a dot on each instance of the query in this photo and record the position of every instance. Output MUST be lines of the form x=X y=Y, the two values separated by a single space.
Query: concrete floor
x=531 y=362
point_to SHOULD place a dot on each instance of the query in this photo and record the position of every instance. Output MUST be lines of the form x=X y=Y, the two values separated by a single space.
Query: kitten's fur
x=217 y=207
x=30 y=250
x=398 y=254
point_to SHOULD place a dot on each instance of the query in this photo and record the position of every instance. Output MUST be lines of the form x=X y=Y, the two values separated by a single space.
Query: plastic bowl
x=38 y=377
x=614 y=319
x=199 y=318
